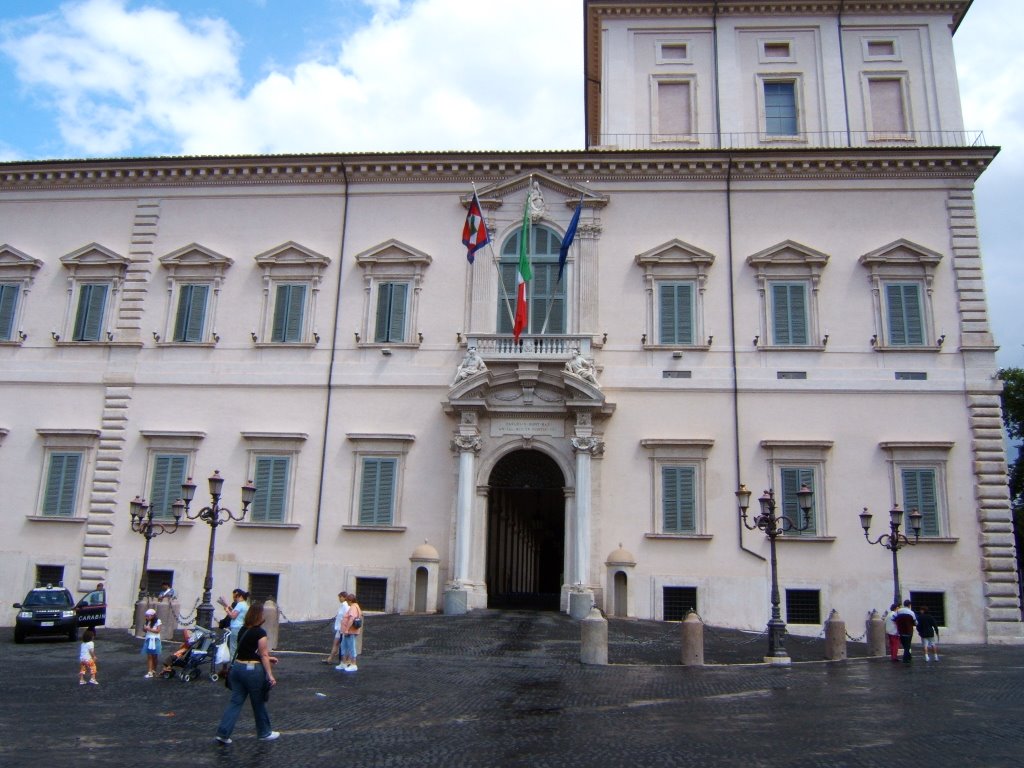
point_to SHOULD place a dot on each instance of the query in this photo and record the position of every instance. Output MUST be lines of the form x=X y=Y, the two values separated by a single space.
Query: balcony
x=809 y=140
x=540 y=348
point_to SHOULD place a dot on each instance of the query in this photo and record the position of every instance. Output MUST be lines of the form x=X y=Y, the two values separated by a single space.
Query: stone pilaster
x=140 y=270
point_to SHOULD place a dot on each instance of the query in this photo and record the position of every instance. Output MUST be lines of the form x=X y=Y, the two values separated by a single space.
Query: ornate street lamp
x=214 y=515
x=894 y=541
x=773 y=526
x=142 y=522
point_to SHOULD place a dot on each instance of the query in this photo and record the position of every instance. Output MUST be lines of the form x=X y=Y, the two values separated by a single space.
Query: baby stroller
x=187 y=662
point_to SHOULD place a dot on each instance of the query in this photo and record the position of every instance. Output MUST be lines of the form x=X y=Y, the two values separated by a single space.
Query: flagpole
x=495 y=261
x=529 y=260
x=571 y=234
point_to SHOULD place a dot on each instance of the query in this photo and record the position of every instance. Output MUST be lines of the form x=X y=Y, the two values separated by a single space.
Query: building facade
x=775 y=282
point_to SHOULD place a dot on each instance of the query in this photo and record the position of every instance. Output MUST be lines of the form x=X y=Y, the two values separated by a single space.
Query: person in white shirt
x=332 y=657
x=87 y=658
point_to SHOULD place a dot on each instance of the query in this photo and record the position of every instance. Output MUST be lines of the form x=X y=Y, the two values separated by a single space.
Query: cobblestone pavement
x=506 y=688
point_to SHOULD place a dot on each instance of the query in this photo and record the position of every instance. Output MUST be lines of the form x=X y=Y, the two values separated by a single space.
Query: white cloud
x=425 y=75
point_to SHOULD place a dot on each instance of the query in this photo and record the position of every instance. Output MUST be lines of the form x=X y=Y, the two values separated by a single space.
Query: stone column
x=456 y=599
x=581 y=597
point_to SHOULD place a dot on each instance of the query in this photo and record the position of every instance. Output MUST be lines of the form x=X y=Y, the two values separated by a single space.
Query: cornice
x=153 y=175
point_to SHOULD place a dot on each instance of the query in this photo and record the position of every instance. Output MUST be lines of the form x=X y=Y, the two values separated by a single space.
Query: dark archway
x=525 y=532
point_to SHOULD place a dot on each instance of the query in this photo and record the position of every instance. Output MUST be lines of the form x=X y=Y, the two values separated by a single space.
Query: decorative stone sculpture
x=579 y=366
x=471 y=365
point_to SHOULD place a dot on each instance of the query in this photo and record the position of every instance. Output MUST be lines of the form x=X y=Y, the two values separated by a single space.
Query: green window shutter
x=377 y=491
x=789 y=313
x=289 y=307
x=792 y=479
x=268 y=506
x=393 y=320
x=92 y=299
x=903 y=305
x=191 y=316
x=675 y=313
x=678 y=499
x=920 y=492
x=8 y=304
x=62 y=484
x=168 y=475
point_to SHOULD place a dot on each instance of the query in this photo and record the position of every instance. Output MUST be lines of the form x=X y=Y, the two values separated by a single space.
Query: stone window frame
x=674 y=261
x=661 y=60
x=902 y=261
x=289 y=264
x=378 y=445
x=161 y=442
x=82 y=441
x=783 y=76
x=867 y=40
x=194 y=264
x=903 y=78
x=288 y=444
x=662 y=452
x=810 y=454
x=789 y=262
x=391 y=262
x=20 y=269
x=766 y=43
x=921 y=454
x=659 y=136
x=92 y=264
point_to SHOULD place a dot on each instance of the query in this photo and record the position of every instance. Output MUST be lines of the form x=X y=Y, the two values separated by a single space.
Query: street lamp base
x=778 y=661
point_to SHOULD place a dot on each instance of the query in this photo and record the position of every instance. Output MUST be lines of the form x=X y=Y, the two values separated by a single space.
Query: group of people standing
x=348 y=623
x=900 y=623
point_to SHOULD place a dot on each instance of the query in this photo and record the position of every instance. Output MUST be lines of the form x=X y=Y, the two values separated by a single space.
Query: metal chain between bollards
x=189 y=618
x=753 y=639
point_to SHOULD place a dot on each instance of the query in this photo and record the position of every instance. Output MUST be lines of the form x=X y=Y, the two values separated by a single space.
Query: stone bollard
x=271 y=622
x=877 y=645
x=594 y=638
x=140 y=616
x=835 y=637
x=168 y=620
x=693 y=641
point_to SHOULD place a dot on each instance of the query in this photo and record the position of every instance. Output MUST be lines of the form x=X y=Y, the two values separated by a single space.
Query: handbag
x=227 y=675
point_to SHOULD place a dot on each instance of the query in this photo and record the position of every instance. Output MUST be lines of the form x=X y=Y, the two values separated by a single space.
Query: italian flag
x=523 y=273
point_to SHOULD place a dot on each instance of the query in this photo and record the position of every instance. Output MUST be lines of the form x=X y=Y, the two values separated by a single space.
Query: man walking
x=928 y=629
x=905 y=623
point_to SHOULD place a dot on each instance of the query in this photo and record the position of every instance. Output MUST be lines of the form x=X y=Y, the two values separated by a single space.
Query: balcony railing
x=808 y=140
x=547 y=347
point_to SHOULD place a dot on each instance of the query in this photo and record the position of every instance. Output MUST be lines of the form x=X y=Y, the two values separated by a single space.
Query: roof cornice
x=484 y=167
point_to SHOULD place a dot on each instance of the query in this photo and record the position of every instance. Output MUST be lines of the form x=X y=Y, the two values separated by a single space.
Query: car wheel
x=19 y=635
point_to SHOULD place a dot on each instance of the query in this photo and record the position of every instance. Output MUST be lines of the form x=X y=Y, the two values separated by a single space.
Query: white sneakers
x=272 y=736
x=223 y=739
x=346 y=667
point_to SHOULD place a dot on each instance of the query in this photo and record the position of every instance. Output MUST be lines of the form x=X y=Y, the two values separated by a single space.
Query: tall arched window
x=545 y=295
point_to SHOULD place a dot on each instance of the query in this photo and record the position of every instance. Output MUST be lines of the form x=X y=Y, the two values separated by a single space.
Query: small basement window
x=372 y=593
x=677 y=602
x=803 y=606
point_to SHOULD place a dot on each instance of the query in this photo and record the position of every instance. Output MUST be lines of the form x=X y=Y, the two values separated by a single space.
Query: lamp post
x=894 y=541
x=773 y=525
x=214 y=515
x=142 y=522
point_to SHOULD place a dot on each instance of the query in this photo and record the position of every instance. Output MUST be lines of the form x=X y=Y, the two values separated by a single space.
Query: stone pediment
x=527 y=389
x=494 y=196
x=392 y=252
x=14 y=263
x=674 y=253
x=788 y=253
x=901 y=252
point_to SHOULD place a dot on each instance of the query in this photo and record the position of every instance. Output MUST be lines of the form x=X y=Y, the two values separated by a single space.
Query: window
x=901 y=276
x=372 y=593
x=196 y=274
x=935 y=602
x=673 y=53
x=880 y=49
x=49 y=575
x=803 y=606
x=169 y=472
x=392 y=309
x=776 y=51
x=887 y=104
x=920 y=492
x=263 y=587
x=545 y=299
x=788 y=275
x=780 y=108
x=155 y=580
x=677 y=491
x=918 y=482
x=675 y=274
x=676 y=602
x=679 y=499
x=792 y=464
x=289 y=314
x=67 y=456
x=379 y=462
x=96 y=277
x=291 y=283
x=190 y=319
x=271 y=480
x=393 y=275
x=17 y=272
x=673 y=109
x=789 y=313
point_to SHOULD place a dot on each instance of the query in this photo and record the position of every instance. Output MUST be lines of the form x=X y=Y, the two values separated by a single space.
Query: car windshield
x=47 y=597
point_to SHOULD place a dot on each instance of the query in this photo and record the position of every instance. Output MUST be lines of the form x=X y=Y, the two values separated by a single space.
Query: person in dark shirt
x=928 y=629
x=251 y=677
x=905 y=623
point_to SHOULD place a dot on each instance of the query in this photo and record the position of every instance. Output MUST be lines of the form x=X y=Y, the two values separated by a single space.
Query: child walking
x=87 y=658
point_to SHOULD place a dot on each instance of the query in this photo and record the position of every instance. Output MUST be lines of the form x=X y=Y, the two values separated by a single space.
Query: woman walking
x=251 y=676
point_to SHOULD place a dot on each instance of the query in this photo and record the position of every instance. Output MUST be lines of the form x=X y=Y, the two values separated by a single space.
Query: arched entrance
x=525 y=532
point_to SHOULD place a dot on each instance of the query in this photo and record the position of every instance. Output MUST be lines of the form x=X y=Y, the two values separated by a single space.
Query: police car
x=52 y=610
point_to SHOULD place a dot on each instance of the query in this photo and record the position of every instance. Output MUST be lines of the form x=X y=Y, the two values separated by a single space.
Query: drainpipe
x=732 y=345
x=334 y=353
x=842 y=72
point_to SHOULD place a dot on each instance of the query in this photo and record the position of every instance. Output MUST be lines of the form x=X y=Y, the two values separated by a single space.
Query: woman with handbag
x=251 y=676
x=351 y=626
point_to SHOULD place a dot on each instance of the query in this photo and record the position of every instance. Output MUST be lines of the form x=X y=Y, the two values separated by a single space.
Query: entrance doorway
x=525 y=532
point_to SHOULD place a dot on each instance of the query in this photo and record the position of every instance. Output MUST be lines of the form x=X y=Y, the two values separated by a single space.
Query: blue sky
x=112 y=78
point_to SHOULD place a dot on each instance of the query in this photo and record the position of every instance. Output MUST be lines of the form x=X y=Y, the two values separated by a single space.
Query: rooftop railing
x=807 y=140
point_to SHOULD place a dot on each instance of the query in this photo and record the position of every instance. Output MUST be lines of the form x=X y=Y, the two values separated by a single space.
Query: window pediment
x=495 y=195
x=392 y=253
x=902 y=257
x=95 y=260
x=787 y=256
x=674 y=254
x=195 y=260
x=15 y=264
x=292 y=260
